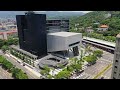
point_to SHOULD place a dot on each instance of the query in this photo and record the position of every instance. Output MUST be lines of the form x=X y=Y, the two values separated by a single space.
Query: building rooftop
x=58 y=19
x=64 y=34
x=118 y=36
x=104 y=26
x=8 y=32
x=100 y=41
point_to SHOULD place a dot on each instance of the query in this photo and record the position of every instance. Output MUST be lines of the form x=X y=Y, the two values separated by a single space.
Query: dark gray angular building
x=32 y=33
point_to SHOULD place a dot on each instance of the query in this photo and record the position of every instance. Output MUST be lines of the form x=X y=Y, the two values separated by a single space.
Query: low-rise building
x=103 y=28
x=89 y=30
x=6 y=34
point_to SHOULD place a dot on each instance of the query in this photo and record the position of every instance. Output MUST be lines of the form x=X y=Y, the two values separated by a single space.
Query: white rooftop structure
x=101 y=41
x=60 y=41
x=63 y=34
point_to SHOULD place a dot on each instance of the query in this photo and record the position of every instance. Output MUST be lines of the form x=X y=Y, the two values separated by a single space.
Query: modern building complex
x=116 y=62
x=57 y=25
x=63 y=41
x=42 y=37
x=32 y=33
x=24 y=55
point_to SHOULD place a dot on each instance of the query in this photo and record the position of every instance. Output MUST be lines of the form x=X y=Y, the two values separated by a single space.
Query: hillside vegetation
x=98 y=16
x=111 y=18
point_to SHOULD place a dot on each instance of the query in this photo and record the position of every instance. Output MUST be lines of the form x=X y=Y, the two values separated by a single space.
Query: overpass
x=105 y=45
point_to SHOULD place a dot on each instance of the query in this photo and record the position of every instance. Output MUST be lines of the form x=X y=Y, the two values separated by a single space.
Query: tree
x=98 y=53
x=88 y=49
x=45 y=71
x=60 y=65
x=77 y=67
x=19 y=74
x=95 y=26
x=4 y=48
x=1 y=59
x=2 y=42
x=91 y=59
x=81 y=55
x=7 y=65
x=70 y=68
x=64 y=74
x=14 y=72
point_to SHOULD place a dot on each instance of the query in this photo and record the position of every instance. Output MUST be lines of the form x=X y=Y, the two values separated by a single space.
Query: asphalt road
x=107 y=74
x=4 y=74
x=91 y=71
x=14 y=62
x=30 y=74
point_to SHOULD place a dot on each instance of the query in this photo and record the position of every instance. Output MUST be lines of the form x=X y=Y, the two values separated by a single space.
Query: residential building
x=89 y=30
x=103 y=28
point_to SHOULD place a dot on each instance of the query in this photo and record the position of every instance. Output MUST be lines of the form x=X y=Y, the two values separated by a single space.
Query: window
x=116 y=61
x=115 y=66
x=114 y=72
x=117 y=56
x=74 y=43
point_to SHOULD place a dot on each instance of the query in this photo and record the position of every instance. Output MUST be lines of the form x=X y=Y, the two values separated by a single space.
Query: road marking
x=99 y=74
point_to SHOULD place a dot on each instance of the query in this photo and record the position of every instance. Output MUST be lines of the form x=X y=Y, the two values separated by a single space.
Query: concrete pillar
x=5 y=35
x=75 y=51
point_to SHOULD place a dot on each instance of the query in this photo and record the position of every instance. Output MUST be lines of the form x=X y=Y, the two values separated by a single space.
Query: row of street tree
x=16 y=73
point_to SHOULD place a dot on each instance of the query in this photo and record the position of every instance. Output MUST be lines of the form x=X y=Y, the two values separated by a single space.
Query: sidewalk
x=33 y=71
x=28 y=68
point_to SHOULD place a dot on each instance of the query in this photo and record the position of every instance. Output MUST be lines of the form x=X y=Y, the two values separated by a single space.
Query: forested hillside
x=111 y=18
x=98 y=17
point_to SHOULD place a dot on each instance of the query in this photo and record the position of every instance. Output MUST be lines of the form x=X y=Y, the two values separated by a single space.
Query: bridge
x=105 y=45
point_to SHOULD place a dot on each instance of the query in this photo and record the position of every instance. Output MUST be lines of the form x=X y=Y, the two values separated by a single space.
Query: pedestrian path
x=33 y=71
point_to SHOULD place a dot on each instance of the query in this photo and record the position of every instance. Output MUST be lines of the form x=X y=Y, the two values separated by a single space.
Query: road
x=107 y=74
x=91 y=71
x=108 y=58
x=4 y=74
x=13 y=61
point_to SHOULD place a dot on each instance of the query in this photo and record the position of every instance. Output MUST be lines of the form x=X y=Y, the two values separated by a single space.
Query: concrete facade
x=61 y=41
x=116 y=62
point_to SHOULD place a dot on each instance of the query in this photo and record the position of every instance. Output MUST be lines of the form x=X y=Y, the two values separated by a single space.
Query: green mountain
x=111 y=18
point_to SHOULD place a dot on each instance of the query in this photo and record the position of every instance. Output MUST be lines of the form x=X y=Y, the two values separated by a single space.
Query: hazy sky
x=76 y=11
x=68 y=11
